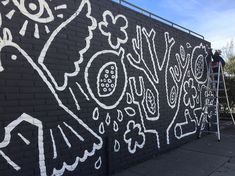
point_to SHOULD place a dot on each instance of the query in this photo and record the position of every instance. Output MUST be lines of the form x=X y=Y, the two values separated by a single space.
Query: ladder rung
x=215 y=82
x=203 y=131
x=213 y=123
x=210 y=105
x=214 y=89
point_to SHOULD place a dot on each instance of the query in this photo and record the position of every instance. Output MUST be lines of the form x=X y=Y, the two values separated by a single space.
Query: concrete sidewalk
x=203 y=157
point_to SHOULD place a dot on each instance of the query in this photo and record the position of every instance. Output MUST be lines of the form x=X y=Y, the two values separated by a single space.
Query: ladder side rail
x=226 y=95
x=217 y=101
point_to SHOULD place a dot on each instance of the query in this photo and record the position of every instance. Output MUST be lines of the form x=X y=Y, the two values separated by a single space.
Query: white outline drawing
x=38 y=11
x=190 y=87
x=120 y=115
x=181 y=88
x=7 y=139
x=130 y=111
x=26 y=141
x=75 y=99
x=140 y=63
x=183 y=127
x=129 y=98
x=138 y=99
x=81 y=52
x=105 y=81
x=6 y=41
x=105 y=24
x=108 y=119
x=98 y=163
x=120 y=55
x=129 y=140
x=150 y=102
x=101 y=128
x=116 y=147
x=53 y=144
x=82 y=91
x=115 y=126
x=96 y=114
x=198 y=62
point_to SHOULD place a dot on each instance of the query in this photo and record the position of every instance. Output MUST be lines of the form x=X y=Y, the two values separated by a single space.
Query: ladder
x=215 y=87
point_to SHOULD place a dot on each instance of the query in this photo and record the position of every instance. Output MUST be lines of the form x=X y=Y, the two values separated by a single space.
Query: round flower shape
x=114 y=27
x=190 y=93
x=134 y=137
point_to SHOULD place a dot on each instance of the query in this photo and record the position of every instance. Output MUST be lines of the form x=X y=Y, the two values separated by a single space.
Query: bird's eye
x=37 y=10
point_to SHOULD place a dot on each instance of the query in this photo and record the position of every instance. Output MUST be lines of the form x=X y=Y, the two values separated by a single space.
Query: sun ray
x=54 y=145
x=60 y=16
x=5 y=2
x=47 y=29
x=24 y=28
x=36 y=31
x=10 y=14
x=63 y=6
x=26 y=141
x=65 y=137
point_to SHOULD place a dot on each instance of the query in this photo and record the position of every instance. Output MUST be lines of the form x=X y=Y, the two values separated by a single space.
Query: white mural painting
x=186 y=86
x=41 y=58
x=136 y=89
x=138 y=99
x=106 y=27
x=7 y=41
x=181 y=129
x=7 y=140
x=134 y=144
x=107 y=93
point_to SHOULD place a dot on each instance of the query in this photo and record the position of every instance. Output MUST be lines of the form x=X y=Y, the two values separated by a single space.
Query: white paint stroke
x=129 y=98
x=10 y=14
x=53 y=144
x=64 y=136
x=130 y=111
x=98 y=163
x=26 y=141
x=108 y=119
x=47 y=29
x=36 y=31
x=63 y=6
x=5 y=2
x=83 y=92
x=75 y=99
x=60 y=16
x=9 y=161
x=74 y=132
x=24 y=28
x=101 y=128
x=95 y=114
x=116 y=146
x=120 y=115
x=115 y=126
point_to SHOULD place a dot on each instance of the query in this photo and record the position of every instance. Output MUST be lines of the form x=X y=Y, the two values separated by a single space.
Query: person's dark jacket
x=217 y=58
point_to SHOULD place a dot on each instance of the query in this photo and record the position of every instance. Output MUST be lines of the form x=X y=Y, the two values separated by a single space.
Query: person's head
x=219 y=52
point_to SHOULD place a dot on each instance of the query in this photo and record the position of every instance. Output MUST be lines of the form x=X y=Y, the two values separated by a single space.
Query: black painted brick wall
x=57 y=118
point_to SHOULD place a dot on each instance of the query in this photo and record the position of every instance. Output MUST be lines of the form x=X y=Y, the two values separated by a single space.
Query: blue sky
x=214 y=19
